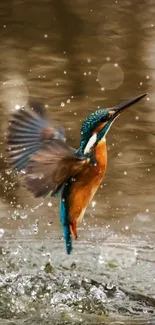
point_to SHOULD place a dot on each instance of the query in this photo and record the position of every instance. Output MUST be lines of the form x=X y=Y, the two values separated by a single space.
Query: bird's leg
x=73 y=229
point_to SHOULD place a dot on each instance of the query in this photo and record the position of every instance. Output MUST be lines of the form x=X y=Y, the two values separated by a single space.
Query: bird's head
x=96 y=125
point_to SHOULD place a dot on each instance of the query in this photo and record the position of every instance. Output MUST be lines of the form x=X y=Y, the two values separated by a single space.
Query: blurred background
x=75 y=57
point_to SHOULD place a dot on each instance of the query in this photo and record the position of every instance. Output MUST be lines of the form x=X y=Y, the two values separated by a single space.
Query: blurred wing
x=50 y=167
x=29 y=131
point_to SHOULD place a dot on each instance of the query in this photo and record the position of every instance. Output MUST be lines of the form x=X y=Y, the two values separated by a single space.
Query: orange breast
x=86 y=184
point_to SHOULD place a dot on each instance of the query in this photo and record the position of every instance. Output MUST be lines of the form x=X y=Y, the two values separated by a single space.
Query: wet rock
x=48 y=268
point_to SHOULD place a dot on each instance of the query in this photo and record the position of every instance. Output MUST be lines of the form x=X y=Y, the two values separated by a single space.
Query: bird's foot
x=73 y=230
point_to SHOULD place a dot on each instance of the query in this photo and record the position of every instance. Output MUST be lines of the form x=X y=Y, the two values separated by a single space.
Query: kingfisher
x=38 y=151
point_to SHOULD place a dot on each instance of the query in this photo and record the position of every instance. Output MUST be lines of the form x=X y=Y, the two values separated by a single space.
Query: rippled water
x=75 y=57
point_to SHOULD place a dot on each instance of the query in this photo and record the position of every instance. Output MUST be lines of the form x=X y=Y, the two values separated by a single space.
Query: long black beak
x=116 y=110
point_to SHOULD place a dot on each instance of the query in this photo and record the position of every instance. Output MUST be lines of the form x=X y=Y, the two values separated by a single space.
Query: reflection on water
x=54 y=50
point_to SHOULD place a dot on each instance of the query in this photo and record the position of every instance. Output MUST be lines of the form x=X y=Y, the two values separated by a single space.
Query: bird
x=37 y=150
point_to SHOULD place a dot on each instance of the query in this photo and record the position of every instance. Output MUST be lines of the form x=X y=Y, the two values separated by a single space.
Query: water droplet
x=17 y=106
x=50 y=222
x=46 y=36
x=36 y=226
x=23 y=216
x=62 y=104
x=93 y=204
x=23 y=171
x=8 y=171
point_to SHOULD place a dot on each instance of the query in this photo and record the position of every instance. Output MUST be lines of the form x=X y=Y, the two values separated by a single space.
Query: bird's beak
x=116 y=110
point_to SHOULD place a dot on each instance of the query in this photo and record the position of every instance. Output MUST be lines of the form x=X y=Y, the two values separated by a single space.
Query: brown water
x=54 y=50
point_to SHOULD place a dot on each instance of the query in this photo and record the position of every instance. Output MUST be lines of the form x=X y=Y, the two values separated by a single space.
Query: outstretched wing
x=50 y=167
x=28 y=131
x=40 y=150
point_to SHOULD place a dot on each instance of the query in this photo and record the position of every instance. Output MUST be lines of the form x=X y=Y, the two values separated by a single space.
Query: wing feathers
x=40 y=149
x=29 y=131
x=51 y=167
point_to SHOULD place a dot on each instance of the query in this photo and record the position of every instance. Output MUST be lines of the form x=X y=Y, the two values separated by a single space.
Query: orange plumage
x=86 y=185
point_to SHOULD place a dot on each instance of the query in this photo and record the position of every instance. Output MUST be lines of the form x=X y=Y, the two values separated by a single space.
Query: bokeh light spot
x=110 y=76
x=14 y=93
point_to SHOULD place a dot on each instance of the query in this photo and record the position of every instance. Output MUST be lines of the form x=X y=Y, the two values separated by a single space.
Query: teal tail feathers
x=67 y=238
x=65 y=226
